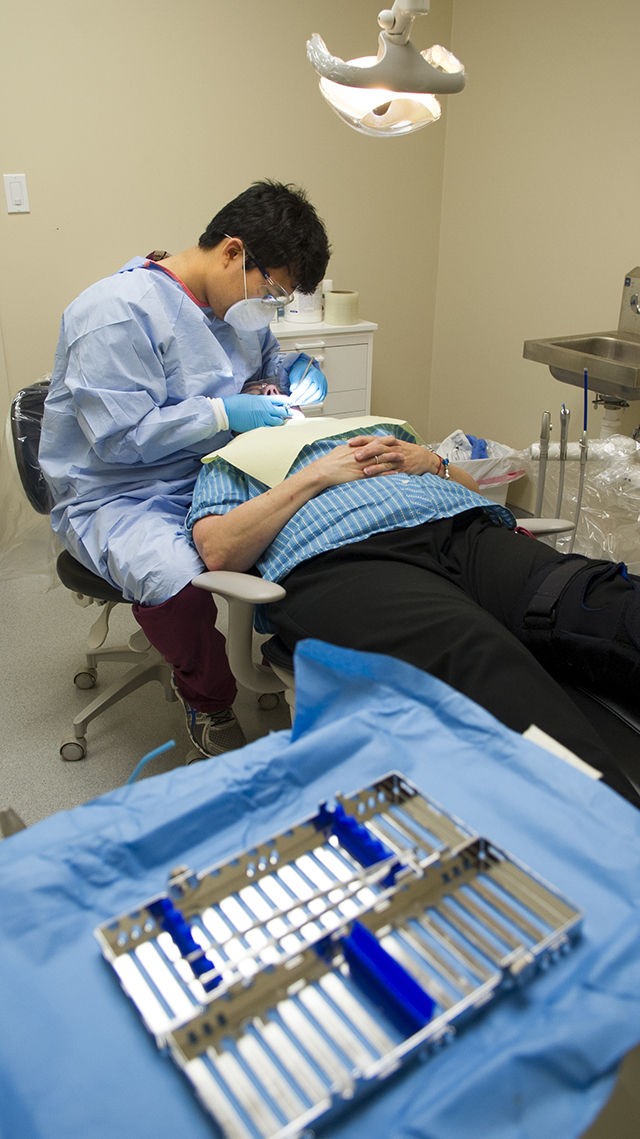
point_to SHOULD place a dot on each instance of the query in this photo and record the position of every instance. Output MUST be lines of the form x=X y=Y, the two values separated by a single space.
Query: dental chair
x=243 y=592
x=616 y=722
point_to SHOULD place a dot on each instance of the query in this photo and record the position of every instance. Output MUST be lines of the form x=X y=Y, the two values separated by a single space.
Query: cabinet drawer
x=345 y=367
x=346 y=403
x=350 y=414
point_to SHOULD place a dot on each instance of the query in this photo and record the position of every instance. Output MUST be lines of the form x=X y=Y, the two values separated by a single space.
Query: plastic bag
x=27 y=542
x=609 y=524
x=494 y=474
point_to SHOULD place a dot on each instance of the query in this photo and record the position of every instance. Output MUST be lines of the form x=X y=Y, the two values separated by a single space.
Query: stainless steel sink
x=612 y=360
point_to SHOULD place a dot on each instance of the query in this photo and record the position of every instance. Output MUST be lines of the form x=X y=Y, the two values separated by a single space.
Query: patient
x=384 y=548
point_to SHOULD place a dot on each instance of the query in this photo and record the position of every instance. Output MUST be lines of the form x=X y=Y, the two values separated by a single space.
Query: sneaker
x=211 y=732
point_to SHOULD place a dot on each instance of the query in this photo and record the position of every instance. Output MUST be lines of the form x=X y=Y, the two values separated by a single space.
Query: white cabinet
x=344 y=352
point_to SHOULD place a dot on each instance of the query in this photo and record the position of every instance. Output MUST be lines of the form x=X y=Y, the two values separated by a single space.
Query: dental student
x=147 y=378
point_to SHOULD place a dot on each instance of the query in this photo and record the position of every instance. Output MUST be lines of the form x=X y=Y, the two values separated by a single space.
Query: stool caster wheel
x=86 y=678
x=268 y=701
x=73 y=749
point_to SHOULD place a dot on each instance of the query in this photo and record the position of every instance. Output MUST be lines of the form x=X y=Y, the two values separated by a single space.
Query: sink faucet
x=630 y=304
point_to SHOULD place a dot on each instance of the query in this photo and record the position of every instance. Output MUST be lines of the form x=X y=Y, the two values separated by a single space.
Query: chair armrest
x=243 y=592
x=542 y=526
x=240 y=587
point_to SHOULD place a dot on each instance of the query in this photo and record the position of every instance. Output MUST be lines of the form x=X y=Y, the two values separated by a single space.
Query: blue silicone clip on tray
x=300 y=974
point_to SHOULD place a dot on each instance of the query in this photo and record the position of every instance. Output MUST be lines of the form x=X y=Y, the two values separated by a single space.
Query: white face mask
x=251 y=314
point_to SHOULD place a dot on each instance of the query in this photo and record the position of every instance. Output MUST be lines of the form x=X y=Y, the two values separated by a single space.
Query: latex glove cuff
x=220 y=412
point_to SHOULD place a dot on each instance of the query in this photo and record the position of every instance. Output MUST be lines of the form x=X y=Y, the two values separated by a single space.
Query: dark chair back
x=27 y=409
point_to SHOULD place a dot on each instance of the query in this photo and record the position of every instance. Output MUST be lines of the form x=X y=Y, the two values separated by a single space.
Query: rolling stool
x=148 y=663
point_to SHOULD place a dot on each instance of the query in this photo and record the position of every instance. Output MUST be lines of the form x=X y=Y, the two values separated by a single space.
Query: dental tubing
x=583 y=459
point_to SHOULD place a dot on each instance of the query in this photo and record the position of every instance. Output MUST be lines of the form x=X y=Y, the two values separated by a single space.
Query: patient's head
x=261 y=387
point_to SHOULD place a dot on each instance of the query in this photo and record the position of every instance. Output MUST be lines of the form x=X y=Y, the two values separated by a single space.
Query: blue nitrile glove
x=309 y=388
x=245 y=412
x=478 y=447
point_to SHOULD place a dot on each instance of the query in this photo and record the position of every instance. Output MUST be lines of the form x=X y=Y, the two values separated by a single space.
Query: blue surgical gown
x=127 y=421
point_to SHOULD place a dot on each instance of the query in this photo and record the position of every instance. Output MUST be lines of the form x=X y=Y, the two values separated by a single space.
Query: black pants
x=441 y=596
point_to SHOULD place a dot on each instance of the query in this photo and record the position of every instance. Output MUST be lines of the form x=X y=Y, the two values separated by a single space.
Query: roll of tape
x=340 y=307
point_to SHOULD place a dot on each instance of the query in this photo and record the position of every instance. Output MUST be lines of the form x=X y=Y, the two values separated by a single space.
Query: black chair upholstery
x=79 y=579
x=276 y=652
x=26 y=422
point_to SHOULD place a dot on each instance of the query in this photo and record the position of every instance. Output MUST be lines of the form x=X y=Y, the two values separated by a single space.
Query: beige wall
x=540 y=213
x=135 y=122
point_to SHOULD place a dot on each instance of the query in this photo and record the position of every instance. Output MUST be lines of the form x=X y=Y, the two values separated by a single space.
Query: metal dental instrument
x=545 y=431
x=565 y=416
x=311 y=362
x=583 y=460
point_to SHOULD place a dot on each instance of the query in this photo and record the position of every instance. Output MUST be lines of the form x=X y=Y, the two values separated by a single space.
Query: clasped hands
x=385 y=455
x=367 y=456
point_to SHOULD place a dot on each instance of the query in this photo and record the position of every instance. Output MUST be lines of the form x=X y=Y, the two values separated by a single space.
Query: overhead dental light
x=394 y=92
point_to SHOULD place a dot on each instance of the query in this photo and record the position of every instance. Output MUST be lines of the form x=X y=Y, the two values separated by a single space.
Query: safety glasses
x=271 y=292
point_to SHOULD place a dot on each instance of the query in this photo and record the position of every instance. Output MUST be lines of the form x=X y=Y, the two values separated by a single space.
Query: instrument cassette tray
x=298 y=976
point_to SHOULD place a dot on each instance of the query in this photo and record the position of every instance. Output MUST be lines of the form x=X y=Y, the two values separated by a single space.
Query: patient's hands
x=341 y=465
x=406 y=458
x=393 y=455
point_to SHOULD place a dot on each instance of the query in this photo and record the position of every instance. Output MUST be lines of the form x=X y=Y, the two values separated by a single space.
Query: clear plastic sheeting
x=27 y=542
x=609 y=524
x=444 y=60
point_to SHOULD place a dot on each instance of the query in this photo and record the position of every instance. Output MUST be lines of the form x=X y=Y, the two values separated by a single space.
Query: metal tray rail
x=296 y=977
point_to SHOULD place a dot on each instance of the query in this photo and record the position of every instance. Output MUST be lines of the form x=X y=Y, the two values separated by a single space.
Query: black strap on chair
x=542 y=608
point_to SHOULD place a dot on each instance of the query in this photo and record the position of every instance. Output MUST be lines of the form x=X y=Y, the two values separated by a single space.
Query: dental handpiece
x=565 y=416
x=545 y=432
x=583 y=458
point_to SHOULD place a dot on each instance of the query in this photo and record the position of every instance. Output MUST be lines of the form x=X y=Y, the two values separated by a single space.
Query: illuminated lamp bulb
x=379 y=112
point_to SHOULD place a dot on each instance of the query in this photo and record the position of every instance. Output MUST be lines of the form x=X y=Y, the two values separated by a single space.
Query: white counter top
x=318 y=328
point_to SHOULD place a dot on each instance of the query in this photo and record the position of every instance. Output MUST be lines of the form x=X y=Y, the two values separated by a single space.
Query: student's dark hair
x=281 y=228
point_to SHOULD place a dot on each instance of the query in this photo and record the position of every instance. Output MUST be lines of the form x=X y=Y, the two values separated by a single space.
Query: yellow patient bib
x=268 y=453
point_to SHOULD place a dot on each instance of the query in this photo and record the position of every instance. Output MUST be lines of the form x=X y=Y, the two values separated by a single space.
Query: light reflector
x=377 y=111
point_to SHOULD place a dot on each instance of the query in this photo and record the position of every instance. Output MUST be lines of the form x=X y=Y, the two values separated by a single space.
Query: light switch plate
x=15 y=188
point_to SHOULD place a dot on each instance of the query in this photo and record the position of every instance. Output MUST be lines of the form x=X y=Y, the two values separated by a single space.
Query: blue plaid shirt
x=341 y=514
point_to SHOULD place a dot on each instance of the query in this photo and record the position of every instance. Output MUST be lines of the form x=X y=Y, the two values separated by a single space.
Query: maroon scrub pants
x=184 y=630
